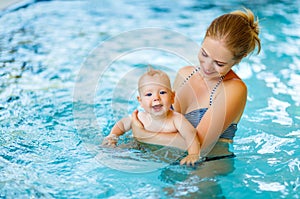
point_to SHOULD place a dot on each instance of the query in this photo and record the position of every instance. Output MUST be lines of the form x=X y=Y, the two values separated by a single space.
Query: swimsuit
x=195 y=116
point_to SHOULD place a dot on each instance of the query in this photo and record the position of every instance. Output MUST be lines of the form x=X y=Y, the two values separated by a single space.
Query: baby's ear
x=173 y=96
x=139 y=99
x=173 y=93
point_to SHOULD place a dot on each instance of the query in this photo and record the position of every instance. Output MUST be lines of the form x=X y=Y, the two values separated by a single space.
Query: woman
x=211 y=96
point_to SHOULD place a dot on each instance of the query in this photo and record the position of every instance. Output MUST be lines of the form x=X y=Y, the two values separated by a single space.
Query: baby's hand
x=110 y=141
x=190 y=159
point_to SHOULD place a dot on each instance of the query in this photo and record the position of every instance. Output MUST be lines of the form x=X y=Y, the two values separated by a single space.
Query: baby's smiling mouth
x=157 y=107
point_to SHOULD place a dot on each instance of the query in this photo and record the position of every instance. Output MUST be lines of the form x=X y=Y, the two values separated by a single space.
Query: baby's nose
x=156 y=98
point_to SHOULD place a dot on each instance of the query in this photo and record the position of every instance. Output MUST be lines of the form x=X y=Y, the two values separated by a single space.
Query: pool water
x=68 y=71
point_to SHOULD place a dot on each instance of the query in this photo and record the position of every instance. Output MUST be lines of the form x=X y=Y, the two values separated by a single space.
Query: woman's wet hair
x=238 y=30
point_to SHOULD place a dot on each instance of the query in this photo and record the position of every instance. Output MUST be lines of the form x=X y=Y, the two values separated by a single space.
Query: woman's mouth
x=207 y=72
x=210 y=73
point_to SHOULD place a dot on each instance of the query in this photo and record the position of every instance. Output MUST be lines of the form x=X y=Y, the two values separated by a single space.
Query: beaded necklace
x=213 y=90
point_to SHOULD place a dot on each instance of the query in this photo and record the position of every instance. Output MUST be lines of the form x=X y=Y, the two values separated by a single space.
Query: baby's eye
x=148 y=94
x=162 y=92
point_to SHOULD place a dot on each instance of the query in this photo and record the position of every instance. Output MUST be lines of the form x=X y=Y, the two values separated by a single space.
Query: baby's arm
x=118 y=129
x=189 y=133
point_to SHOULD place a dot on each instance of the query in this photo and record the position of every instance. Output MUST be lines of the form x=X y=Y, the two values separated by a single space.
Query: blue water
x=68 y=71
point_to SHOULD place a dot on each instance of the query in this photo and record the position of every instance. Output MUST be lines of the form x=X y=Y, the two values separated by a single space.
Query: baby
x=156 y=98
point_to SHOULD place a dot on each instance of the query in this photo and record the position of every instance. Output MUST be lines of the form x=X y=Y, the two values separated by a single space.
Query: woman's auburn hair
x=238 y=30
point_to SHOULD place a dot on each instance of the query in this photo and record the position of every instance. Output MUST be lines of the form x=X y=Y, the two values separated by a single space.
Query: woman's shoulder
x=235 y=94
x=186 y=70
x=234 y=83
x=182 y=74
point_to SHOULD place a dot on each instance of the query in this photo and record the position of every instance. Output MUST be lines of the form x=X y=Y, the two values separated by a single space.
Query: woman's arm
x=188 y=132
x=226 y=109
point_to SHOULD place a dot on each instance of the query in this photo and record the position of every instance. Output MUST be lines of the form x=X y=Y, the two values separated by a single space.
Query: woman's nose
x=207 y=64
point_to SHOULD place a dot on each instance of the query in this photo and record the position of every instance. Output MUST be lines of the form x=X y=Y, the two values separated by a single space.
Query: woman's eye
x=204 y=54
x=219 y=64
x=162 y=92
x=148 y=94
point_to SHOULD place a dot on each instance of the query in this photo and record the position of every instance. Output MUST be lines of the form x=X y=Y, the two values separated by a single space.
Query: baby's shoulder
x=177 y=116
x=142 y=115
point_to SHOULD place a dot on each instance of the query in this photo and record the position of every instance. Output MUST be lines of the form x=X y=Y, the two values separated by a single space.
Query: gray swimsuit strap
x=212 y=91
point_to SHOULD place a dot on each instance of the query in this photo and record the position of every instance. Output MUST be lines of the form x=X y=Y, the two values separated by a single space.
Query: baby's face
x=156 y=98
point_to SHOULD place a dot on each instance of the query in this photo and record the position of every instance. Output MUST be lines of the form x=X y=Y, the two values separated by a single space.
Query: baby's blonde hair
x=161 y=77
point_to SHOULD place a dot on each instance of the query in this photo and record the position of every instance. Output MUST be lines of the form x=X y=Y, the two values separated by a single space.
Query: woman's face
x=215 y=59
